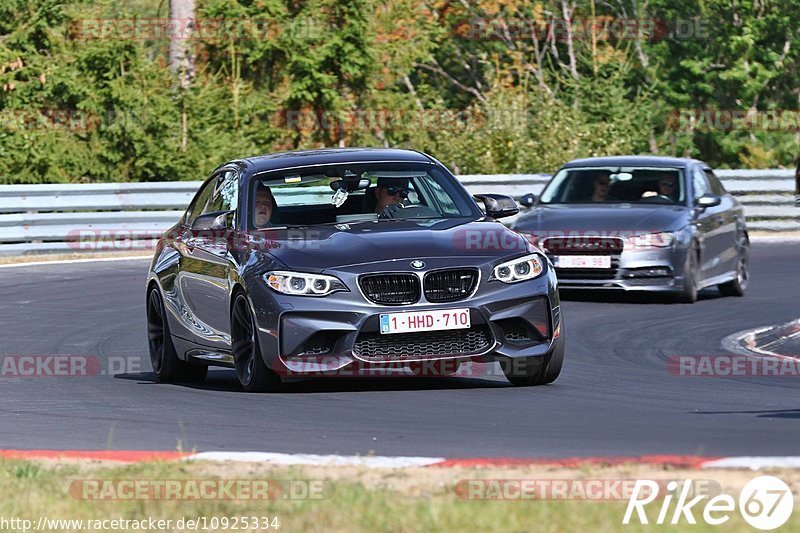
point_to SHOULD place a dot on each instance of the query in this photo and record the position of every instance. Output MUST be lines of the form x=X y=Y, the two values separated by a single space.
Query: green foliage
x=453 y=79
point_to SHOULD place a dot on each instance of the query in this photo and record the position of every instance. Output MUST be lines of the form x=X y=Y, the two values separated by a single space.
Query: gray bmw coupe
x=340 y=262
x=640 y=223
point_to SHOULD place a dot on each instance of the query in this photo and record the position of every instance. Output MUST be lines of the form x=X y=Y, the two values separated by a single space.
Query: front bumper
x=658 y=269
x=331 y=335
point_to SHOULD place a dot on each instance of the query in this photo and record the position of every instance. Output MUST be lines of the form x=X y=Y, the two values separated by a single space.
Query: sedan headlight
x=303 y=284
x=644 y=241
x=524 y=268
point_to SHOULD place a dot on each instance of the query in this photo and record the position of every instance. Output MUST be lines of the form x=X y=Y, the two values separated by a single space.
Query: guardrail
x=51 y=218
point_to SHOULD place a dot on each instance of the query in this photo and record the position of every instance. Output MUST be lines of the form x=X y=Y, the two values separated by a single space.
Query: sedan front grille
x=588 y=245
x=611 y=246
x=450 y=285
x=391 y=289
x=422 y=345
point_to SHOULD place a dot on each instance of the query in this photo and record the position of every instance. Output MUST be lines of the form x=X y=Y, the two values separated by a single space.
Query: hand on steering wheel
x=391 y=211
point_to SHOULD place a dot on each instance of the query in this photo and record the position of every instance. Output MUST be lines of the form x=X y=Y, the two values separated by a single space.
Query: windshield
x=350 y=193
x=645 y=185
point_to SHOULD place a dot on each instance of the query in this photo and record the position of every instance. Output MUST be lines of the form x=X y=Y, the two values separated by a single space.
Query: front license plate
x=583 y=261
x=425 y=321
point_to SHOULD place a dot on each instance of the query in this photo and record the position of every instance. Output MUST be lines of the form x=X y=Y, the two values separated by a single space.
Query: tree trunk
x=181 y=58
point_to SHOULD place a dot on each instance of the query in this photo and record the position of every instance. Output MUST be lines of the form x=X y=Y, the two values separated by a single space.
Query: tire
x=535 y=371
x=689 y=291
x=738 y=285
x=251 y=370
x=166 y=364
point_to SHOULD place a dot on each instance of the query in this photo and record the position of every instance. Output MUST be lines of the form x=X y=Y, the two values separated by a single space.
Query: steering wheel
x=397 y=211
x=656 y=199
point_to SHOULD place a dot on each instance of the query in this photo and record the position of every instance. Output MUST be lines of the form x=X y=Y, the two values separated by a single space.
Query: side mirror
x=528 y=200
x=708 y=200
x=218 y=220
x=498 y=205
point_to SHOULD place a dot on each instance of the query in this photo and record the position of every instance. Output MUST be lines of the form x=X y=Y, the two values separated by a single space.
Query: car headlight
x=524 y=268
x=303 y=284
x=644 y=241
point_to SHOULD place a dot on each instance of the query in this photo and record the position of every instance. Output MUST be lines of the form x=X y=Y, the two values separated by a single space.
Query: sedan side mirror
x=708 y=200
x=527 y=200
x=218 y=220
x=498 y=205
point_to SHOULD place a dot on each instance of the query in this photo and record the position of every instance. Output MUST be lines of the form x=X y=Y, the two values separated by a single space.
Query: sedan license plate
x=582 y=261
x=425 y=321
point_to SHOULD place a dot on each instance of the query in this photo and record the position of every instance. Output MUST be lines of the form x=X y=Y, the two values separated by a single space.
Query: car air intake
x=450 y=285
x=422 y=345
x=391 y=289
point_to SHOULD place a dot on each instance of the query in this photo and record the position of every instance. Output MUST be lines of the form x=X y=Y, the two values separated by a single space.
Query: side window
x=716 y=185
x=200 y=200
x=441 y=201
x=230 y=192
x=699 y=183
x=225 y=193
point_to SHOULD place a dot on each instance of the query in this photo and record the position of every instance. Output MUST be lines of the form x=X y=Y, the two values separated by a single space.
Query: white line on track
x=371 y=461
x=754 y=463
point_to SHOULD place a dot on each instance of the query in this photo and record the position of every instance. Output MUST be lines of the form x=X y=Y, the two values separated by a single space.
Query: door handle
x=721 y=220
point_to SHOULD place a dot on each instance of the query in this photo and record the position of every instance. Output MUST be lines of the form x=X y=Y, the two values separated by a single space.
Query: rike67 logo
x=765 y=503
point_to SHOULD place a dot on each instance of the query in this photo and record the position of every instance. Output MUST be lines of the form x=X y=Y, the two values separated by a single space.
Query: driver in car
x=665 y=186
x=390 y=191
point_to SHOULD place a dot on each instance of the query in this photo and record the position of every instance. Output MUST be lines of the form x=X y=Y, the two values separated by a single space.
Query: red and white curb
x=375 y=461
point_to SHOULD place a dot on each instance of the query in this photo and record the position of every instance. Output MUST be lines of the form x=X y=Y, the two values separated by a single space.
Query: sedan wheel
x=689 y=292
x=253 y=374
x=737 y=286
x=166 y=364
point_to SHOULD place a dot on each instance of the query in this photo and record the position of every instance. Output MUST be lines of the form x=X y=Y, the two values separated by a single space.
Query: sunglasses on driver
x=392 y=191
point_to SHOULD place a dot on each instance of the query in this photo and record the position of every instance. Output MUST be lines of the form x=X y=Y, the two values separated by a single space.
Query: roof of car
x=327 y=156
x=633 y=160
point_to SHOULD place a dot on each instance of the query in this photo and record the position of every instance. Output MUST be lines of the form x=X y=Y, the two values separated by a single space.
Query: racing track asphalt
x=614 y=397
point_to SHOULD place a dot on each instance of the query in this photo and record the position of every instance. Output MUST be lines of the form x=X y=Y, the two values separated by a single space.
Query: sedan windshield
x=641 y=185
x=351 y=193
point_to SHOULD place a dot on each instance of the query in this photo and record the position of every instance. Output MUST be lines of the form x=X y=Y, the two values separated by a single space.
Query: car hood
x=621 y=218
x=334 y=246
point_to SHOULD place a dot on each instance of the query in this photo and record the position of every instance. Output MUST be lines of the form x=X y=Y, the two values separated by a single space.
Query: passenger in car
x=265 y=208
x=602 y=186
